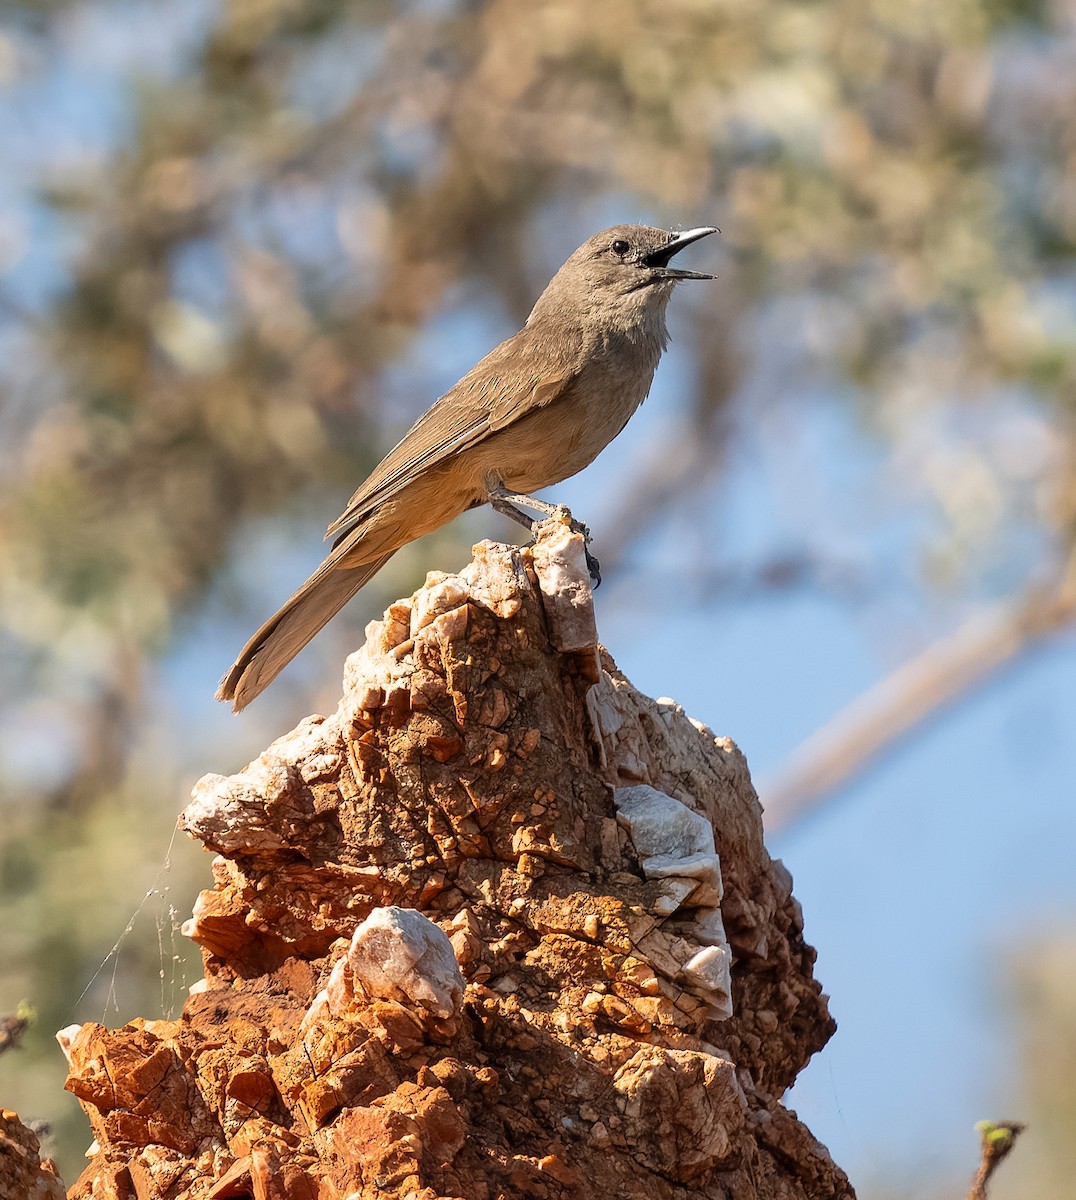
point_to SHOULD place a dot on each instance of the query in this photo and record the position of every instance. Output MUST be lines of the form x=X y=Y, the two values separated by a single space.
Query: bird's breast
x=553 y=443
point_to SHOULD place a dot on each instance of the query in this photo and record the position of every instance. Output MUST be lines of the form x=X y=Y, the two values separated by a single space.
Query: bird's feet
x=506 y=502
x=594 y=567
x=563 y=513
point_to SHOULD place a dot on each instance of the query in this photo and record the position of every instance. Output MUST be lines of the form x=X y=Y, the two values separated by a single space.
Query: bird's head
x=624 y=272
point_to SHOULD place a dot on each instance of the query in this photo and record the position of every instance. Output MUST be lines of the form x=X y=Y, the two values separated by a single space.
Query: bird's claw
x=582 y=530
x=564 y=513
x=593 y=566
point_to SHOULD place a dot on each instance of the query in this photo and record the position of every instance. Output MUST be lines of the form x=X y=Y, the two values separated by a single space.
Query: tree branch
x=998 y=1138
x=942 y=675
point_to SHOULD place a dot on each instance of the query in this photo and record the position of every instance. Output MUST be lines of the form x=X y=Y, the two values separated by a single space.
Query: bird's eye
x=620 y=247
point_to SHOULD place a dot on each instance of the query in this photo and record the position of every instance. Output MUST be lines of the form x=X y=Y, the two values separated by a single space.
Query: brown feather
x=537 y=409
x=281 y=638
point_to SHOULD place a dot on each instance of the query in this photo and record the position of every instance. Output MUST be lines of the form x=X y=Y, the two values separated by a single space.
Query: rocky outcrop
x=498 y=927
x=24 y=1174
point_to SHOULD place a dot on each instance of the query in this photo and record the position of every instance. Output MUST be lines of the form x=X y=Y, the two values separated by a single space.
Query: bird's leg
x=506 y=502
x=502 y=503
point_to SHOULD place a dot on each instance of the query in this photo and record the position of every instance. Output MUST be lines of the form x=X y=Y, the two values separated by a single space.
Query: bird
x=536 y=410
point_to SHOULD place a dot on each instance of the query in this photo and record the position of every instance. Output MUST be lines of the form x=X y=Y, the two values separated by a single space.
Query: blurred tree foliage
x=200 y=313
x=1043 y=994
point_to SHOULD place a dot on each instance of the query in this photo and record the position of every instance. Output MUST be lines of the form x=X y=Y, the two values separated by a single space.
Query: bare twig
x=998 y=1138
x=941 y=675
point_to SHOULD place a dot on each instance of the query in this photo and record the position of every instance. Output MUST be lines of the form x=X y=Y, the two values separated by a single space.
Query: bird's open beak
x=661 y=258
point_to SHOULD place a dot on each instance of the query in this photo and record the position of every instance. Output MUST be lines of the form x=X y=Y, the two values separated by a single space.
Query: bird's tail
x=281 y=638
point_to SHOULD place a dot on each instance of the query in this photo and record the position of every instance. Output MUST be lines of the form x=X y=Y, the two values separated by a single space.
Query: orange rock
x=23 y=1172
x=469 y=774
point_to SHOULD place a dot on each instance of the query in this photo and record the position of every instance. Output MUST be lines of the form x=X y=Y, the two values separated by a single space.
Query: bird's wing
x=483 y=402
x=521 y=402
x=439 y=432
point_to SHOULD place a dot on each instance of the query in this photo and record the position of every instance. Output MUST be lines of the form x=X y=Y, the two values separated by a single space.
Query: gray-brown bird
x=534 y=411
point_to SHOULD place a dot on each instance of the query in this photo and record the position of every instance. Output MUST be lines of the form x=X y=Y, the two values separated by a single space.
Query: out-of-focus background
x=244 y=244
